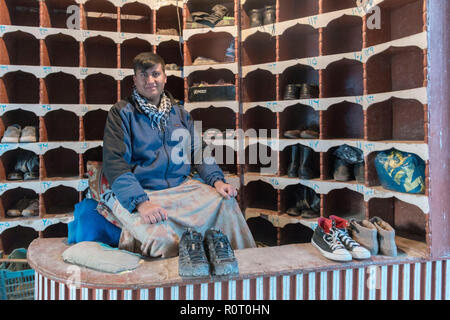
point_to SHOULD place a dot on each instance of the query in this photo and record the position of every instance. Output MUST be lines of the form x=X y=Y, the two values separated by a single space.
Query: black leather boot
x=308 y=91
x=256 y=18
x=293 y=165
x=269 y=15
x=311 y=206
x=306 y=168
x=291 y=92
x=341 y=170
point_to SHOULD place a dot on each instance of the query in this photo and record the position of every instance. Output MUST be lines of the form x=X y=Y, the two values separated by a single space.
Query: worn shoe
x=28 y=134
x=355 y=249
x=358 y=170
x=308 y=91
x=365 y=233
x=292 y=134
x=386 y=237
x=192 y=260
x=12 y=134
x=256 y=18
x=310 y=207
x=220 y=253
x=309 y=134
x=326 y=239
x=16 y=210
x=291 y=92
x=15 y=176
x=218 y=12
x=294 y=162
x=341 y=170
x=306 y=169
x=268 y=14
x=32 y=209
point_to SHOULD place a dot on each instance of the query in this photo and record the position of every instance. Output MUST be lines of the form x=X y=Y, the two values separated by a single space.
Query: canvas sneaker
x=16 y=210
x=12 y=134
x=220 y=253
x=326 y=239
x=356 y=250
x=32 y=209
x=28 y=134
x=192 y=261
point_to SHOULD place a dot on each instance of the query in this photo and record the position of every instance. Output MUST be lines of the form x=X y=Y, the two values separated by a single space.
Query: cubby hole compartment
x=333 y=5
x=343 y=121
x=167 y=20
x=329 y=164
x=136 y=18
x=259 y=85
x=292 y=48
x=408 y=221
x=100 y=15
x=10 y=198
x=60 y=163
x=94 y=124
x=19 y=48
x=253 y=199
x=296 y=75
x=206 y=6
x=100 y=52
x=126 y=86
x=55 y=13
x=226 y=158
x=61 y=88
x=129 y=49
x=21 y=117
x=295 y=233
x=294 y=9
x=344 y=203
x=399 y=19
x=60 y=200
x=175 y=85
x=252 y=4
x=260 y=122
x=258 y=48
x=298 y=117
x=395 y=69
x=286 y=158
x=92 y=154
x=62 y=51
x=264 y=233
x=19 y=87
x=396 y=119
x=220 y=118
x=100 y=89
x=57 y=230
x=211 y=45
x=343 y=78
x=9 y=160
x=260 y=159
x=17 y=237
x=343 y=35
x=212 y=77
x=61 y=125
x=289 y=195
x=171 y=51
x=20 y=13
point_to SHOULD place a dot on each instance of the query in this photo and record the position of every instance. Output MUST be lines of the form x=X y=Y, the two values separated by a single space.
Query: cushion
x=97 y=180
x=101 y=257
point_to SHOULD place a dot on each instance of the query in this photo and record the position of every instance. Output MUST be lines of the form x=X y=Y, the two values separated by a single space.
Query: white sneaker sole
x=363 y=254
x=334 y=256
x=28 y=139
x=10 y=140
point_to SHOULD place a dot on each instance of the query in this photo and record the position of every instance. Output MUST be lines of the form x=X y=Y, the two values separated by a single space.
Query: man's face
x=150 y=83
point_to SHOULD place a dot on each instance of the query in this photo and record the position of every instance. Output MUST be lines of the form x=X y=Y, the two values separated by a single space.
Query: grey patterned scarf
x=158 y=114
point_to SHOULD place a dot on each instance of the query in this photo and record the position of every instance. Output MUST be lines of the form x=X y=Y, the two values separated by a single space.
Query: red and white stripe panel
x=416 y=281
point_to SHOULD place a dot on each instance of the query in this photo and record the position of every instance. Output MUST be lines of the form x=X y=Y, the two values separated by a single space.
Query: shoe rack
x=63 y=80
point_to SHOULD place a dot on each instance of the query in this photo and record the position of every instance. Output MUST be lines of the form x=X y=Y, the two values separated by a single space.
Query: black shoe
x=308 y=91
x=306 y=169
x=341 y=170
x=293 y=164
x=291 y=92
x=269 y=15
x=310 y=207
x=220 y=253
x=358 y=170
x=256 y=18
x=326 y=239
x=192 y=261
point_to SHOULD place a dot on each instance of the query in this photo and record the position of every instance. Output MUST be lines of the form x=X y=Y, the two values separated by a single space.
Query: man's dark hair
x=146 y=60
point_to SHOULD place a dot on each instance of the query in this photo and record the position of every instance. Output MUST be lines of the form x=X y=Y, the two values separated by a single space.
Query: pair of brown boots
x=374 y=234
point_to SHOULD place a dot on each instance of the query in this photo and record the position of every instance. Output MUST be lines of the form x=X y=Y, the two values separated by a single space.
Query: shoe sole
x=332 y=256
x=360 y=256
x=10 y=140
x=27 y=139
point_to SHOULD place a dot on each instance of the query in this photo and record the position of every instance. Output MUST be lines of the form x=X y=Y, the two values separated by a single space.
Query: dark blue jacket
x=137 y=156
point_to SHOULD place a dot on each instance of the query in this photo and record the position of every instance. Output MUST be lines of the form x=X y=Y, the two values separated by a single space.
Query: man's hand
x=225 y=189
x=151 y=213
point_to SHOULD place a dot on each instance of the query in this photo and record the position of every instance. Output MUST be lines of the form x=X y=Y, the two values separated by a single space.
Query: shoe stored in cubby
x=61 y=50
x=253 y=191
x=129 y=49
x=292 y=48
x=343 y=121
x=19 y=48
x=333 y=5
x=395 y=69
x=208 y=48
x=60 y=163
x=294 y=9
x=260 y=158
x=17 y=237
x=300 y=162
x=57 y=230
x=300 y=201
x=215 y=118
x=396 y=119
x=398 y=19
x=20 y=13
x=295 y=233
x=55 y=13
x=299 y=82
x=209 y=14
x=61 y=125
x=19 y=87
x=259 y=85
x=61 y=88
x=258 y=48
x=100 y=15
x=100 y=89
x=264 y=233
x=17 y=117
x=100 y=52
x=60 y=200
x=255 y=13
x=260 y=122
x=94 y=124
x=19 y=202
x=299 y=122
x=169 y=21
x=19 y=165
x=136 y=18
x=211 y=85
x=344 y=203
x=342 y=35
x=343 y=78
x=171 y=51
x=344 y=164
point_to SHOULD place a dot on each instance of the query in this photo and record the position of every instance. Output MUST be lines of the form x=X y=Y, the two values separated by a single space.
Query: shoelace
x=195 y=251
x=222 y=247
x=346 y=239
x=333 y=240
